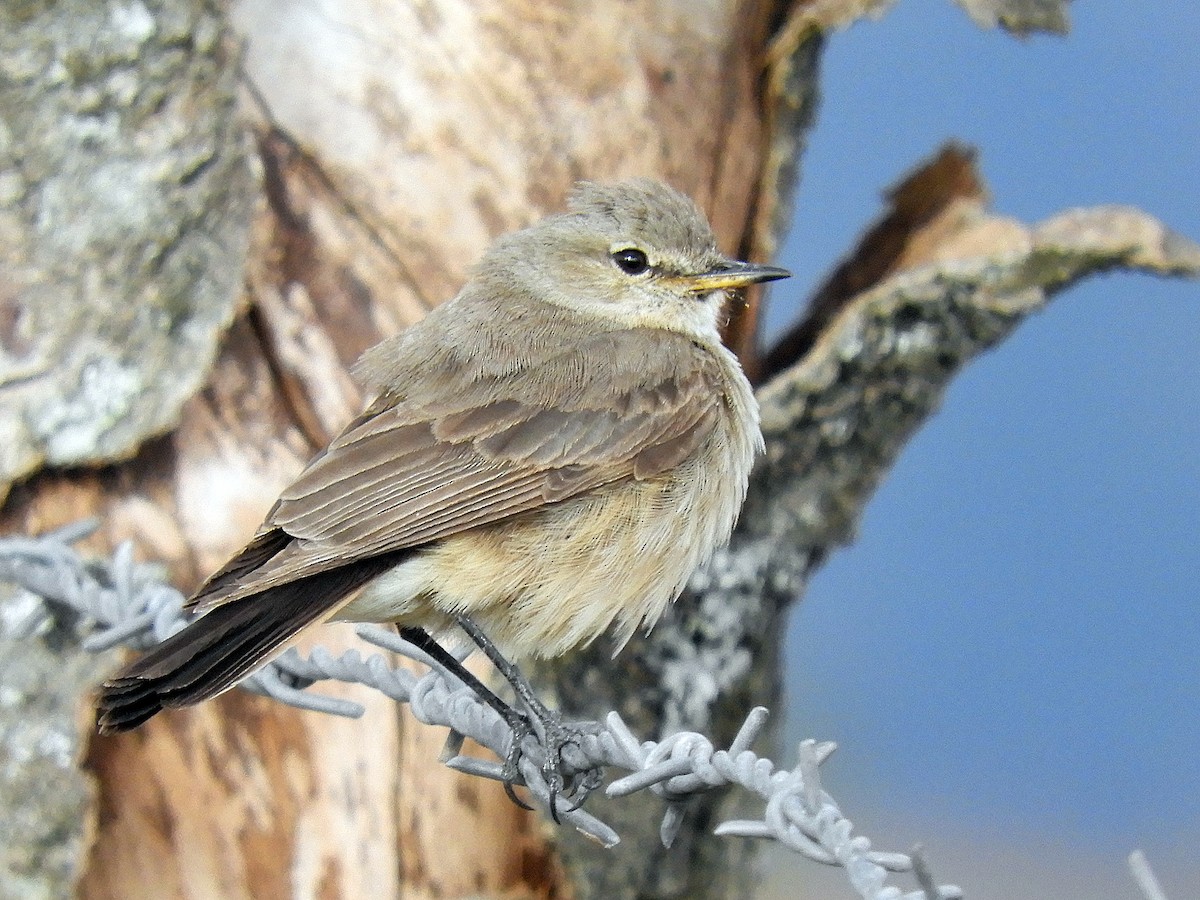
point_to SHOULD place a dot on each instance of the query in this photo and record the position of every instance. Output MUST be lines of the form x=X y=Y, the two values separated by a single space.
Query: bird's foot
x=564 y=769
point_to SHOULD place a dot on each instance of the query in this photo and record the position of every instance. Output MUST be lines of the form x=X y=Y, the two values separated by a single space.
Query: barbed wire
x=128 y=603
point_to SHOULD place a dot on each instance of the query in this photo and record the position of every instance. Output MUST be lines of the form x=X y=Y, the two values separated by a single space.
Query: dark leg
x=421 y=638
x=511 y=673
x=554 y=734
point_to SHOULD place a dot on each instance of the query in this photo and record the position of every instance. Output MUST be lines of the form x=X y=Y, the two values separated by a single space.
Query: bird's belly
x=552 y=580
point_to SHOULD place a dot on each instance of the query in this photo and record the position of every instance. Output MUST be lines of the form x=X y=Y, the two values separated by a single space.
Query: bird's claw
x=512 y=769
x=561 y=776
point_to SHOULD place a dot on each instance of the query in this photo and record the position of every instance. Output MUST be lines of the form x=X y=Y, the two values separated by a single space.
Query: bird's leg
x=554 y=734
x=517 y=721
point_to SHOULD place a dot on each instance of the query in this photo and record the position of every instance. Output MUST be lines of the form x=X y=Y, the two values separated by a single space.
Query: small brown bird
x=550 y=453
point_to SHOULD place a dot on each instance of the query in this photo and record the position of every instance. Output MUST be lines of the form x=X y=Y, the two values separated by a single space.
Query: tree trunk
x=391 y=143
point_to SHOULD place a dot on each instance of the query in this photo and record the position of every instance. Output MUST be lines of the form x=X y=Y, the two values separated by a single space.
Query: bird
x=547 y=457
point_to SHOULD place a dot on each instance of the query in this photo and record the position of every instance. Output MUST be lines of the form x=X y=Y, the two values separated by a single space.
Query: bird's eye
x=631 y=261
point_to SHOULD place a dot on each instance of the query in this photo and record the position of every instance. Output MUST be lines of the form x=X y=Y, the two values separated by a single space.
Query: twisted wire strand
x=128 y=604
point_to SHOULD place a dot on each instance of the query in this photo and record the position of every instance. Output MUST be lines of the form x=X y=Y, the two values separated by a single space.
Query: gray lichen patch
x=127 y=194
x=46 y=797
x=71 y=424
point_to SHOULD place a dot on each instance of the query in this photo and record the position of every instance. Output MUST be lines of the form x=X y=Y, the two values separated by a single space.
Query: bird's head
x=637 y=253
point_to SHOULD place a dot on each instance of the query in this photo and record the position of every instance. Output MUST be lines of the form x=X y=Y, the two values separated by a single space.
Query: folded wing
x=482 y=449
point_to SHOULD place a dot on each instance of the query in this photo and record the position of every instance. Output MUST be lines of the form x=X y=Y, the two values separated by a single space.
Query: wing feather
x=482 y=449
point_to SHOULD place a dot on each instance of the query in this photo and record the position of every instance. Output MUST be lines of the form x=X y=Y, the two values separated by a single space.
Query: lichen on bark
x=46 y=797
x=125 y=198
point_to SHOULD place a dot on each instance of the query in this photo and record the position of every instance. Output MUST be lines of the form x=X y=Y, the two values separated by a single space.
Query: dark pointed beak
x=733 y=274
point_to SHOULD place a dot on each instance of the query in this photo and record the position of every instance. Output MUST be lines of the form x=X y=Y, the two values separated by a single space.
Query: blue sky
x=1009 y=656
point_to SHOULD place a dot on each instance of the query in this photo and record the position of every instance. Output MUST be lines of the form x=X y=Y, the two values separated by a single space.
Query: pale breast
x=614 y=558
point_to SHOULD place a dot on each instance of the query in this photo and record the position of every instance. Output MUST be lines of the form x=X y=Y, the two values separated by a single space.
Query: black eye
x=631 y=261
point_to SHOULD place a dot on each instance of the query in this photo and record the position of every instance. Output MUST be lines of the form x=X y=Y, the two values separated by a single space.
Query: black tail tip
x=124 y=704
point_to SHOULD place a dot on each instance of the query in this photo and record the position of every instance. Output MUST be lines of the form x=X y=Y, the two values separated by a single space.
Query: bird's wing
x=408 y=473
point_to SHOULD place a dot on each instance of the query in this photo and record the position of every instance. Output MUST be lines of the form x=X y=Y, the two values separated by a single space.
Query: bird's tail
x=221 y=647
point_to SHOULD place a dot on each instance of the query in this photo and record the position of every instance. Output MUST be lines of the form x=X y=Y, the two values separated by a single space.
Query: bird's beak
x=732 y=274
